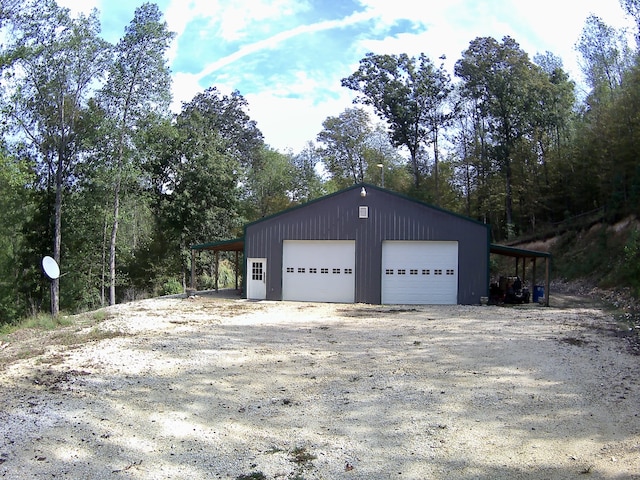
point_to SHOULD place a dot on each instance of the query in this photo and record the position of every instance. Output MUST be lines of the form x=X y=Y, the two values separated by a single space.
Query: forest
x=97 y=172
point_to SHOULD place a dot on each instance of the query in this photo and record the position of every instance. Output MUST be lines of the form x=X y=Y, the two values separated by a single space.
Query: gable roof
x=366 y=186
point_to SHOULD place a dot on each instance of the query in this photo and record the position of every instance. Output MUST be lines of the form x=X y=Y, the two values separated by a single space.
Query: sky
x=287 y=57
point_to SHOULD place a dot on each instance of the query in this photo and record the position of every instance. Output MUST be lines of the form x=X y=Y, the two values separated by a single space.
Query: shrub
x=172 y=287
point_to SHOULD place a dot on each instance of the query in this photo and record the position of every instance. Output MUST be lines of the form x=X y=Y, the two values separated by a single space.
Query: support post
x=237 y=268
x=534 y=273
x=547 y=275
x=216 y=270
x=193 y=270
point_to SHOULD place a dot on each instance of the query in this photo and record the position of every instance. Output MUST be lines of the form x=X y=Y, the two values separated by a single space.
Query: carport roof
x=517 y=252
x=234 y=245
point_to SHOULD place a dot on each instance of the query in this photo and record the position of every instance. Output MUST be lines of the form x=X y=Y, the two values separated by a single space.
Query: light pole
x=382 y=173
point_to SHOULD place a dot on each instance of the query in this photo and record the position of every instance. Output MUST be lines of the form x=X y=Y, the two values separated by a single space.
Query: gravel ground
x=222 y=388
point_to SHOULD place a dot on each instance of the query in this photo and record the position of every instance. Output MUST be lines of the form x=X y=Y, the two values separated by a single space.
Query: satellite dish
x=50 y=267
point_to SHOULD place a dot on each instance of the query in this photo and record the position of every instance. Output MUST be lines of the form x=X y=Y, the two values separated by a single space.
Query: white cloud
x=273 y=41
x=76 y=7
x=289 y=123
x=185 y=87
x=292 y=110
x=232 y=20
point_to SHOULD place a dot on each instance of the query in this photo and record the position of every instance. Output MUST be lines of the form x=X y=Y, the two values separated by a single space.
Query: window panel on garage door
x=318 y=270
x=419 y=272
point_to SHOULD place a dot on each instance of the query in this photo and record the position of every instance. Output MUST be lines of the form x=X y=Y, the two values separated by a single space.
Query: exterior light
x=363 y=192
x=381 y=173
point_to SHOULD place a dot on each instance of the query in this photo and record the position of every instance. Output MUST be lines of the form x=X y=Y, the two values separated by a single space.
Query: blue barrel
x=538 y=293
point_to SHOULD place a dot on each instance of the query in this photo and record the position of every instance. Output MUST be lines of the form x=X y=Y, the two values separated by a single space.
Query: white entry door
x=419 y=272
x=319 y=270
x=257 y=278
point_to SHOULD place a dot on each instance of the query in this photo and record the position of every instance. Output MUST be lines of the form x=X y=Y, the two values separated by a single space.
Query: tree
x=502 y=82
x=225 y=115
x=605 y=54
x=138 y=84
x=409 y=94
x=15 y=212
x=632 y=8
x=345 y=144
x=270 y=181
x=48 y=105
x=307 y=183
x=8 y=9
x=197 y=170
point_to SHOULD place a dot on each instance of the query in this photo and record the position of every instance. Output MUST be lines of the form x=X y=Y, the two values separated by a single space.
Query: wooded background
x=97 y=172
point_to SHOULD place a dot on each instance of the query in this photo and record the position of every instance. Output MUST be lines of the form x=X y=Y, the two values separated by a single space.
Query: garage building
x=370 y=245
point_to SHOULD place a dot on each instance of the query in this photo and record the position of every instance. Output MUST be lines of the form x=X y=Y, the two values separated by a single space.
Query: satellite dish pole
x=52 y=271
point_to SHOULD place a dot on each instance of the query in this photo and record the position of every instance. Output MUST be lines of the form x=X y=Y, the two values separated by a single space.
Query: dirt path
x=221 y=388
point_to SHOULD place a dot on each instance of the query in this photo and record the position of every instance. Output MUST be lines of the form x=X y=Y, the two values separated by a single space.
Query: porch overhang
x=524 y=255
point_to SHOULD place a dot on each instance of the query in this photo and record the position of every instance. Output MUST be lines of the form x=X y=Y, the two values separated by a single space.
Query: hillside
x=597 y=258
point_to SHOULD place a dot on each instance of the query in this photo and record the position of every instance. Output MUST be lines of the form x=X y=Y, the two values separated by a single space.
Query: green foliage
x=409 y=94
x=606 y=256
x=345 y=139
x=93 y=167
x=631 y=261
x=306 y=182
x=226 y=274
x=172 y=286
x=40 y=321
x=270 y=183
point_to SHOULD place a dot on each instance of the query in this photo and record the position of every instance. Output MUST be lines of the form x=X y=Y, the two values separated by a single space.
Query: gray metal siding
x=391 y=217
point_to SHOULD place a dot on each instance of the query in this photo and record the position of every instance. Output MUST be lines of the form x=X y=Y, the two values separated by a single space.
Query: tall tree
x=270 y=181
x=199 y=165
x=226 y=116
x=139 y=84
x=307 y=183
x=501 y=80
x=8 y=9
x=15 y=212
x=48 y=103
x=632 y=8
x=605 y=54
x=345 y=144
x=408 y=93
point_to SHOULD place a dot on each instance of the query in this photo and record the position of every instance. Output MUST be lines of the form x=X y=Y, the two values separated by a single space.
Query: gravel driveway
x=222 y=388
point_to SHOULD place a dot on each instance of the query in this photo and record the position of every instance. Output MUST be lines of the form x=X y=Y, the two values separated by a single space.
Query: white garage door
x=419 y=272
x=319 y=270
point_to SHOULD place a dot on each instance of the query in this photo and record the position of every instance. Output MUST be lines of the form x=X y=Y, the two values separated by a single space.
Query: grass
x=252 y=476
x=37 y=322
x=31 y=337
x=301 y=456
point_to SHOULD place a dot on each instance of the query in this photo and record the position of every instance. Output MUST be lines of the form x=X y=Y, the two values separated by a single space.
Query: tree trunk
x=112 y=243
x=508 y=197
x=57 y=237
x=435 y=166
x=104 y=261
x=114 y=227
x=414 y=166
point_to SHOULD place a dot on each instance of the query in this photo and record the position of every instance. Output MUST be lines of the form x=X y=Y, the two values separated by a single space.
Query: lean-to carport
x=236 y=245
x=524 y=255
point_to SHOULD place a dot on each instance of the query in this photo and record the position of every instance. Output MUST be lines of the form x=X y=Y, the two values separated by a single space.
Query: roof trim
x=234 y=245
x=359 y=186
x=516 y=252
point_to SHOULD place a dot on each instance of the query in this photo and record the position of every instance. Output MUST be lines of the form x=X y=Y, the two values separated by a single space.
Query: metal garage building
x=366 y=244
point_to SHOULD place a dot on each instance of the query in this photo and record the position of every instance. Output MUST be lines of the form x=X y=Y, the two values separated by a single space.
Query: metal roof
x=234 y=245
x=517 y=252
